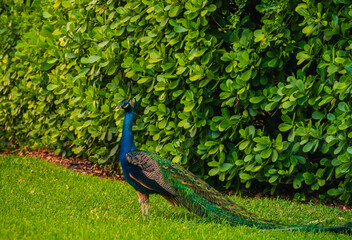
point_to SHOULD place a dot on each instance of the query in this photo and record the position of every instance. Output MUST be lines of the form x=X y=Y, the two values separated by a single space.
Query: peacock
x=149 y=173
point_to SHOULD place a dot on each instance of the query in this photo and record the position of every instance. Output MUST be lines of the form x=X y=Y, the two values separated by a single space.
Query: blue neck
x=127 y=143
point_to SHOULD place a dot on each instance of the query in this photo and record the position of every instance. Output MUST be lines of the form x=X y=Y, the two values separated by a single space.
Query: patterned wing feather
x=145 y=170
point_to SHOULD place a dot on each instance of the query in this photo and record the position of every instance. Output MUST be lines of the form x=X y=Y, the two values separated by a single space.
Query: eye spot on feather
x=184 y=182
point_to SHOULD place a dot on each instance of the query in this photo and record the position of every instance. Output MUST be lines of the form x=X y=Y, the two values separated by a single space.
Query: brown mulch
x=90 y=168
x=73 y=163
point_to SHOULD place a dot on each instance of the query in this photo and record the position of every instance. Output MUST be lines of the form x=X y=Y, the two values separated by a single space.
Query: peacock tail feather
x=200 y=198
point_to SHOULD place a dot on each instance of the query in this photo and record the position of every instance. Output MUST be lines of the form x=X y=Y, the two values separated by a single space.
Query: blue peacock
x=149 y=173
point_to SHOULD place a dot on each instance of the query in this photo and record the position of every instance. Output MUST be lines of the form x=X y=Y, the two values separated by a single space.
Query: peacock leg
x=144 y=201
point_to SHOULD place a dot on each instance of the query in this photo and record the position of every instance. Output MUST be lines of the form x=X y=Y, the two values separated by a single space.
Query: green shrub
x=246 y=91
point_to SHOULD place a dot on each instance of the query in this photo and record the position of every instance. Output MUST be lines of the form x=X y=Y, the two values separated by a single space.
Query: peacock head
x=127 y=106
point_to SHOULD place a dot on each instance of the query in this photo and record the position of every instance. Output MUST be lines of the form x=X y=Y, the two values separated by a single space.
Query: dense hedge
x=248 y=91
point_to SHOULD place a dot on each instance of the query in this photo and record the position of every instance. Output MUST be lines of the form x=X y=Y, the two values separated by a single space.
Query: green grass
x=39 y=200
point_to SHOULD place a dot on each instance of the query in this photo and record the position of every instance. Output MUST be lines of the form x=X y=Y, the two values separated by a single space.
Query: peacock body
x=149 y=173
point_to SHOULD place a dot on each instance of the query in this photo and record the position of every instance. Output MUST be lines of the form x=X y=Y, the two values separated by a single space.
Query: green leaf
x=273 y=178
x=213 y=171
x=93 y=59
x=181 y=70
x=229 y=68
x=331 y=117
x=308 y=146
x=262 y=140
x=288 y=104
x=200 y=52
x=244 y=145
x=300 y=85
x=239 y=162
x=349 y=150
x=256 y=99
x=317 y=115
x=274 y=156
x=81 y=73
x=189 y=107
x=269 y=107
x=266 y=153
x=283 y=127
x=78 y=149
x=51 y=87
x=272 y=63
x=173 y=84
x=227 y=57
x=246 y=75
x=114 y=150
x=243 y=59
x=297 y=182
x=46 y=66
x=343 y=107
x=343 y=168
x=301 y=57
x=87 y=123
x=211 y=7
x=334 y=192
x=301 y=159
x=195 y=77
x=174 y=10
x=177 y=159
x=301 y=10
x=180 y=29
x=348 y=67
x=307 y=29
x=321 y=182
x=105 y=108
x=206 y=58
x=332 y=69
x=47 y=15
x=225 y=166
x=213 y=164
x=259 y=36
x=70 y=55
x=45 y=32
x=210 y=143
x=309 y=178
x=245 y=176
x=177 y=93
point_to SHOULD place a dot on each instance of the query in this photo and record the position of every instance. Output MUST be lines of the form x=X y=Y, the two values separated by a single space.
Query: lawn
x=40 y=200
